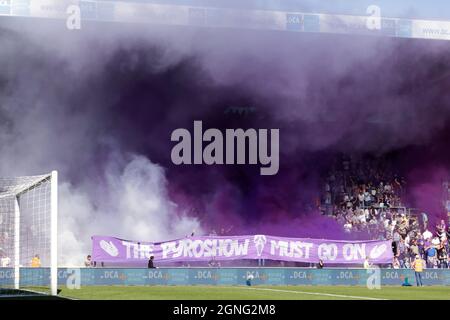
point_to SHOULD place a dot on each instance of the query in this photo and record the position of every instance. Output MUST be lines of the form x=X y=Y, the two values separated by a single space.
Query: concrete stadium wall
x=223 y=276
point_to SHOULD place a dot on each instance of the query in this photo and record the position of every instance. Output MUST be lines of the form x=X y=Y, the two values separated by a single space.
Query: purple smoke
x=122 y=94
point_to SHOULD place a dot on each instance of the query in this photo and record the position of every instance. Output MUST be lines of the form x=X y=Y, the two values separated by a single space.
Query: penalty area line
x=317 y=294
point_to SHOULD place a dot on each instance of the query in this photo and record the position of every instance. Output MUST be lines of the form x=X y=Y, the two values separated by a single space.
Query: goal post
x=28 y=233
x=54 y=233
x=16 y=243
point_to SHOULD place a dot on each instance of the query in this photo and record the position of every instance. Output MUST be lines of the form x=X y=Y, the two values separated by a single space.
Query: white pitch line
x=317 y=294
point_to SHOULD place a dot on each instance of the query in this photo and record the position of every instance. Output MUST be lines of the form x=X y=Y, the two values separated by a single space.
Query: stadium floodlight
x=28 y=233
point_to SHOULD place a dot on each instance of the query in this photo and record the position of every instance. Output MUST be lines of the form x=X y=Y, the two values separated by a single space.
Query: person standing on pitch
x=150 y=263
x=88 y=262
x=367 y=264
x=36 y=262
x=418 y=269
x=320 y=264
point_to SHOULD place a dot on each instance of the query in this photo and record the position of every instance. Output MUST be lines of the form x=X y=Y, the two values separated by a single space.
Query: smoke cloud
x=99 y=105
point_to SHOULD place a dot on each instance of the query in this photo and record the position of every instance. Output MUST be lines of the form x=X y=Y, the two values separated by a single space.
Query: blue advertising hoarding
x=220 y=276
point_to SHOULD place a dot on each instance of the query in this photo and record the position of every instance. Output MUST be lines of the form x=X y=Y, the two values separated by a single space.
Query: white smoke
x=40 y=132
x=136 y=206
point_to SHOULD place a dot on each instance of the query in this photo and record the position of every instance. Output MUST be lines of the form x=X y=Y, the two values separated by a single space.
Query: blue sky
x=412 y=9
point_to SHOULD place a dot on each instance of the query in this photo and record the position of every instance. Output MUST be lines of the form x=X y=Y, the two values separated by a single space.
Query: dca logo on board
x=204 y=274
x=301 y=275
x=348 y=275
x=8 y=274
x=157 y=275
x=392 y=275
x=114 y=275
x=431 y=275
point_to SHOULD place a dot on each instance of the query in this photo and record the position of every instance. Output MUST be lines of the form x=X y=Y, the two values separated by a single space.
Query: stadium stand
x=365 y=197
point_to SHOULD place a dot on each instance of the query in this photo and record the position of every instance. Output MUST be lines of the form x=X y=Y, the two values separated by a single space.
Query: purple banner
x=114 y=250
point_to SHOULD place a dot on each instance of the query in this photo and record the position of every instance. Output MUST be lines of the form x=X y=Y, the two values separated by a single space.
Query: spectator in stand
x=354 y=194
x=425 y=220
x=427 y=235
x=441 y=226
x=421 y=246
x=401 y=252
x=224 y=231
x=432 y=254
x=396 y=235
x=395 y=263
x=440 y=231
x=413 y=250
x=348 y=227
x=442 y=256
x=364 y=195
x=403 y=226
x=361 y=199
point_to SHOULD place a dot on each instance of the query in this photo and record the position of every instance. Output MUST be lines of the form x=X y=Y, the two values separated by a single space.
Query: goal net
x=28 y=251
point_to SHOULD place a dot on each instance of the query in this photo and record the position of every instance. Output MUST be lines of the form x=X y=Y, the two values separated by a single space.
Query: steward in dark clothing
x=150 y=263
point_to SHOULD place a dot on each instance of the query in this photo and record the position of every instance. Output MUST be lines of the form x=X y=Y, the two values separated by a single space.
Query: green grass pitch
x=257 y=292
